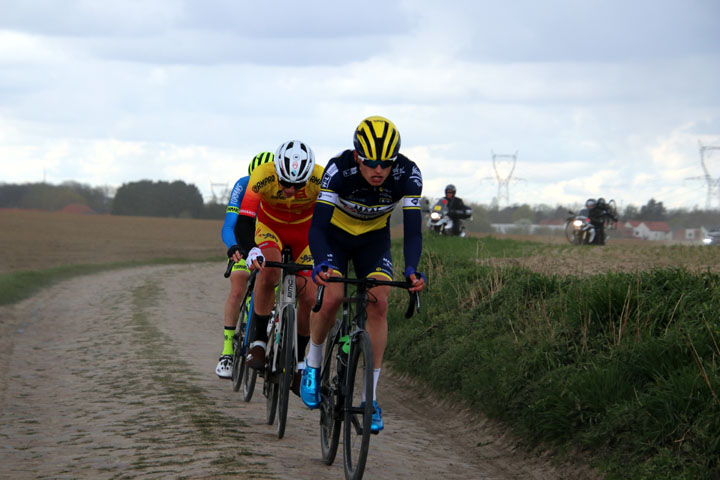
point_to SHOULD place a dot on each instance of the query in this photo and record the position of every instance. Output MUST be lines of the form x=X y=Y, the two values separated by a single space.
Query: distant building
x=645 y=230
x=687 y=235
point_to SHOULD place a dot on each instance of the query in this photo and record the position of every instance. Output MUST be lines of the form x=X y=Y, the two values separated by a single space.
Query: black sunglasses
x=297 y=186
x=377 y=163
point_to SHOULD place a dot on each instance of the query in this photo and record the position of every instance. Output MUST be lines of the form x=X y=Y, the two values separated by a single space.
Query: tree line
x=180 y=199
x=142 y=198
x=484 y=216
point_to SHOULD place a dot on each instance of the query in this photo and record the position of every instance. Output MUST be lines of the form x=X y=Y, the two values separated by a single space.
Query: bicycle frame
x=287 y=296
x=282 y=342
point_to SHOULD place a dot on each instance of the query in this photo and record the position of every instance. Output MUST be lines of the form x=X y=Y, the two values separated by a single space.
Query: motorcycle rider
x=599 y=212
x=456 y=208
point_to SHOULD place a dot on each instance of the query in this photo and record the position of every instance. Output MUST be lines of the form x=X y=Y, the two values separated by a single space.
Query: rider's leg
x=377 y=322
x=264 y=299
x=238 y=284
x=377 y=328
x=455 y=226
x=321 y=322
x=306 y=300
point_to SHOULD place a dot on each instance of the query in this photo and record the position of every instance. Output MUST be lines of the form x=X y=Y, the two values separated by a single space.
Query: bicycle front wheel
x=271 y=392
x=286 y=366
x=238 y=364
x=331 y=397
x=358 y=406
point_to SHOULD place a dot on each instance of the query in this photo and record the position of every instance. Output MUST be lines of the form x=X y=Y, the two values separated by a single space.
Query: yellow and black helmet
x=376 y=138
x=260 y=158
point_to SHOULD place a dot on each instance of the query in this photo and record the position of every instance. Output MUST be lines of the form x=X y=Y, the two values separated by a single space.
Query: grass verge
x=624 y=366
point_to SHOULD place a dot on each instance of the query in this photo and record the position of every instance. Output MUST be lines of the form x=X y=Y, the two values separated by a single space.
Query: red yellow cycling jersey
x=264 y=194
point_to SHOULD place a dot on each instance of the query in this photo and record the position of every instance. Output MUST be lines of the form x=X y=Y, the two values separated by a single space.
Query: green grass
x=18 y=286
x=624 y=366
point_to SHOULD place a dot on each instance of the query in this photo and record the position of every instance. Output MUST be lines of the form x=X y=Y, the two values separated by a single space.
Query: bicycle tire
x=238 y=363
x=248 y=385
x=357 y=417
x=286 y=366
x=331 y=397
x=271 y=392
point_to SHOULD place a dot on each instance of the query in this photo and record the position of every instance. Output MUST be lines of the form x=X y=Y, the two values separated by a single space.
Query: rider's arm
x=412 y=218
x=231 y=213
x=317 y=238
x=245 y=226
x=412 y=241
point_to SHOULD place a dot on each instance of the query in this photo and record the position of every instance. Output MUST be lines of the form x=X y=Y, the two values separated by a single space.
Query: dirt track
x=112 y=376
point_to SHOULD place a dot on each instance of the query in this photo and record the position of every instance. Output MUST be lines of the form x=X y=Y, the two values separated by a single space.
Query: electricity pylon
x=506 y=163
x=222 y=194
x=713 y=184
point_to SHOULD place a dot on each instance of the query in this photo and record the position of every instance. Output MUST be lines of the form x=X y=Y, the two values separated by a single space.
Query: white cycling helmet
x=294 y=162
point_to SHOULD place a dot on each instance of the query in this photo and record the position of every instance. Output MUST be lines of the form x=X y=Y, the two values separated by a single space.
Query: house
x=645 y=230
x=687 y=235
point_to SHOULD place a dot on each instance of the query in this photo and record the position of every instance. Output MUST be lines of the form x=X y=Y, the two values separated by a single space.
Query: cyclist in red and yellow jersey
x=283 y=195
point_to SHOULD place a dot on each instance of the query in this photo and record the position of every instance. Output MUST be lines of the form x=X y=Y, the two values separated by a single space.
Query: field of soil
x=33 y=240
x=111 y=375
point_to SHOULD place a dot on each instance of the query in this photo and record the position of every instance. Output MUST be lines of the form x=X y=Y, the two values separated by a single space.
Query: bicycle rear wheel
x=248 y=384
x=331 y=398
x=286 y=366
x=358 y=406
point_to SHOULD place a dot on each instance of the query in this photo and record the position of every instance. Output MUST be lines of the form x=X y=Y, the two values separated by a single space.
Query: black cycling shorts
x=369 y=252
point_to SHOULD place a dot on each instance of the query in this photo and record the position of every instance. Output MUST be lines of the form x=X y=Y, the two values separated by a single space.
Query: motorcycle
x=712 y=237
x=578 y=229
x=440 y=222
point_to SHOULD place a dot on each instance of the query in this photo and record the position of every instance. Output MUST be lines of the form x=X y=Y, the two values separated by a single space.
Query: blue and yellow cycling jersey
x=229 y=236
x=347 y=201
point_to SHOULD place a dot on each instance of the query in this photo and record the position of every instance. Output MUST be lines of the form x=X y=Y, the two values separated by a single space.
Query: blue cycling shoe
x=310 y=387
x=377 y=421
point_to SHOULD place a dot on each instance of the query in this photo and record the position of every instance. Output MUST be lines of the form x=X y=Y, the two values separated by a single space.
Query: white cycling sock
x=314 y=356
x=376 y=377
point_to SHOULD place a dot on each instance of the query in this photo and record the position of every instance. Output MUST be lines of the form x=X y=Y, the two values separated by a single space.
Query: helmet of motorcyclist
x=260 y=158
x=601 y=203
x=590 y=203
x=451 y=188
x=294 y=163
x=377 y=141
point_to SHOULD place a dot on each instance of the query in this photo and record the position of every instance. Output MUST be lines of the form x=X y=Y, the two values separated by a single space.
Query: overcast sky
x=598 y=98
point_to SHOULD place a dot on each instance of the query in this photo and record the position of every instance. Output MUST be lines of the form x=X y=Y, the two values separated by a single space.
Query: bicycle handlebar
x=291 y=267
x=229 y=268
x=413 y=305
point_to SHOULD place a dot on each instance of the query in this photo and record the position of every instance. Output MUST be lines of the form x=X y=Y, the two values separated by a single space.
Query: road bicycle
x=346 y=383
x=281 y=352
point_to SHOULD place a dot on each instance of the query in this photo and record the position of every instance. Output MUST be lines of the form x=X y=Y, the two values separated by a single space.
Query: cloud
x=597 y=97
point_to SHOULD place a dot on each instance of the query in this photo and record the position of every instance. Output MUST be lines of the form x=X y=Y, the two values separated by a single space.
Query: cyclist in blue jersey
x=359 y=190
x=240 y=273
